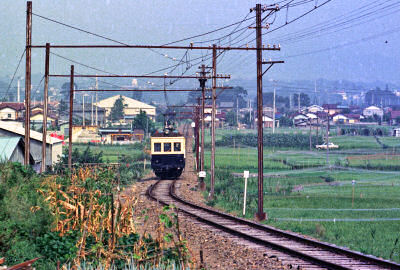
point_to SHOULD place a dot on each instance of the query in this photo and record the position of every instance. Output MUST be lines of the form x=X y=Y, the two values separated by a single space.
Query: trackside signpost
x=202 y=175
x=246 y=176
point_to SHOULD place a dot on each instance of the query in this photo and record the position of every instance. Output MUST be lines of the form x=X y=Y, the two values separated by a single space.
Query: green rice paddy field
x=305 y=194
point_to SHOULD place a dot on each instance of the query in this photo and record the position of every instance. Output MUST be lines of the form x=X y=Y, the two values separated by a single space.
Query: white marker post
x=202 y=175
x=245 y=175
x=353 y=183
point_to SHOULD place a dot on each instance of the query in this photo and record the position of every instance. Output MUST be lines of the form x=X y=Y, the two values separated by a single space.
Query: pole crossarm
x=137 y=90
x=274 y=48
x=219 y=76
x=271 y=63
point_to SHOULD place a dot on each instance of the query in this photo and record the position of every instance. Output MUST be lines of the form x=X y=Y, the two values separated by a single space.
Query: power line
x=320 y=31
x=395 y=30
x=15 y=72
x=97 y=35
x=210 y=32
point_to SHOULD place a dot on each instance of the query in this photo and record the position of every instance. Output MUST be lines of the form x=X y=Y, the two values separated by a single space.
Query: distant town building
x=37 y=118
x=132 y=107
x=395 y=117
x=314 y=109
x=53 y=145
x=340 y=119
x=11 y=110
x=332 y=109
x=381 y=98
x=372 y=110
x=396 y=132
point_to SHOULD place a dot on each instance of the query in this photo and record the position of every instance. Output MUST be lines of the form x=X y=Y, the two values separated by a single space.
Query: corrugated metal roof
x=7 y=147
x=21 y=131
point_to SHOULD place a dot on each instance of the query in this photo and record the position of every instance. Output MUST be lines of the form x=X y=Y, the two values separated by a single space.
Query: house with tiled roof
x=11 y=110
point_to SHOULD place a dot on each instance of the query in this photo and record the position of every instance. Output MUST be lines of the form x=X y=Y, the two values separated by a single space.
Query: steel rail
x=300 y=239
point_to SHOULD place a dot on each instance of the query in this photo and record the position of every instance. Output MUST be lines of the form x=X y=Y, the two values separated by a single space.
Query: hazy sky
x=158 y=22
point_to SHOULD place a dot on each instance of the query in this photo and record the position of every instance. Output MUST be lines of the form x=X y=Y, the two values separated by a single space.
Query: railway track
x=306 y=253
x=293 y=249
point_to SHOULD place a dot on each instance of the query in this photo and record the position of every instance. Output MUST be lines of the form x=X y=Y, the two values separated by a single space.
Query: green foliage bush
x=19 y=226
x=271 y=140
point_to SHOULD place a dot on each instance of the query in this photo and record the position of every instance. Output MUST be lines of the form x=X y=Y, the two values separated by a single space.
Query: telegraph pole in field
x=261 y=215
x=214 y=86
x=28 y=55
x=97 y=88
x=202 y=81
x=45 y=100
x=71 y=109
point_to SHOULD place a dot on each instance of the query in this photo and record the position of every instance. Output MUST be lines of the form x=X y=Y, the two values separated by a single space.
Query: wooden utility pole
x=91 y=120
x=97 y=88
x=214 y=85
x=273 y=113
x=260 y=215
x=28 y=55
x=202 y=81
x=83 y=109
x=71 y=109
x=197 y=131
x=310 y=122
x=45 y=101
x=298 y=102
x=327 y=138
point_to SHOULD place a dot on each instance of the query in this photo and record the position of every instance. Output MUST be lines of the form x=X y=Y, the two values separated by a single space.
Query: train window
x=177 y=147
x=167 y=147
x=157 y=147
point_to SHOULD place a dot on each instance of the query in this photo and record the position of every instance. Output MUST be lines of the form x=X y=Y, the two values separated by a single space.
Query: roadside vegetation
x=82 y=217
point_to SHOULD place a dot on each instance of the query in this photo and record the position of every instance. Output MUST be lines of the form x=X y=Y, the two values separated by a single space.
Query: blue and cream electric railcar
x=167 y=154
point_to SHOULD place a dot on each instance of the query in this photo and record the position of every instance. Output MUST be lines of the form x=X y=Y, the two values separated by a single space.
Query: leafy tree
x=117 y=111
x=142 y=121
x=137 y=95
x=397 y=120
x=285 y=121
x=304 y=99
x=236 y=95
x=231 y=118
x=65 y=89
x=246 y=118
x=63 y=107
x=78 y=157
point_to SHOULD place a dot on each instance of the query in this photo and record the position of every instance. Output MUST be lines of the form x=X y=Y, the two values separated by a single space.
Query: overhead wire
x=15 y=72
x=340 y=25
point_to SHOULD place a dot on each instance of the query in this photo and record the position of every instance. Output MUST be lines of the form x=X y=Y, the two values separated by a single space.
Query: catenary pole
x=45 y=101
x=202 y=81
x=71 y=109
x=97 y=88
x=214 y=85
x=28 y=57
x=260 y=215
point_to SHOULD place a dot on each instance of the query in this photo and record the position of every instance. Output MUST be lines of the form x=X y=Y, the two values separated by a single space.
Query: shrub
x=271 y=140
